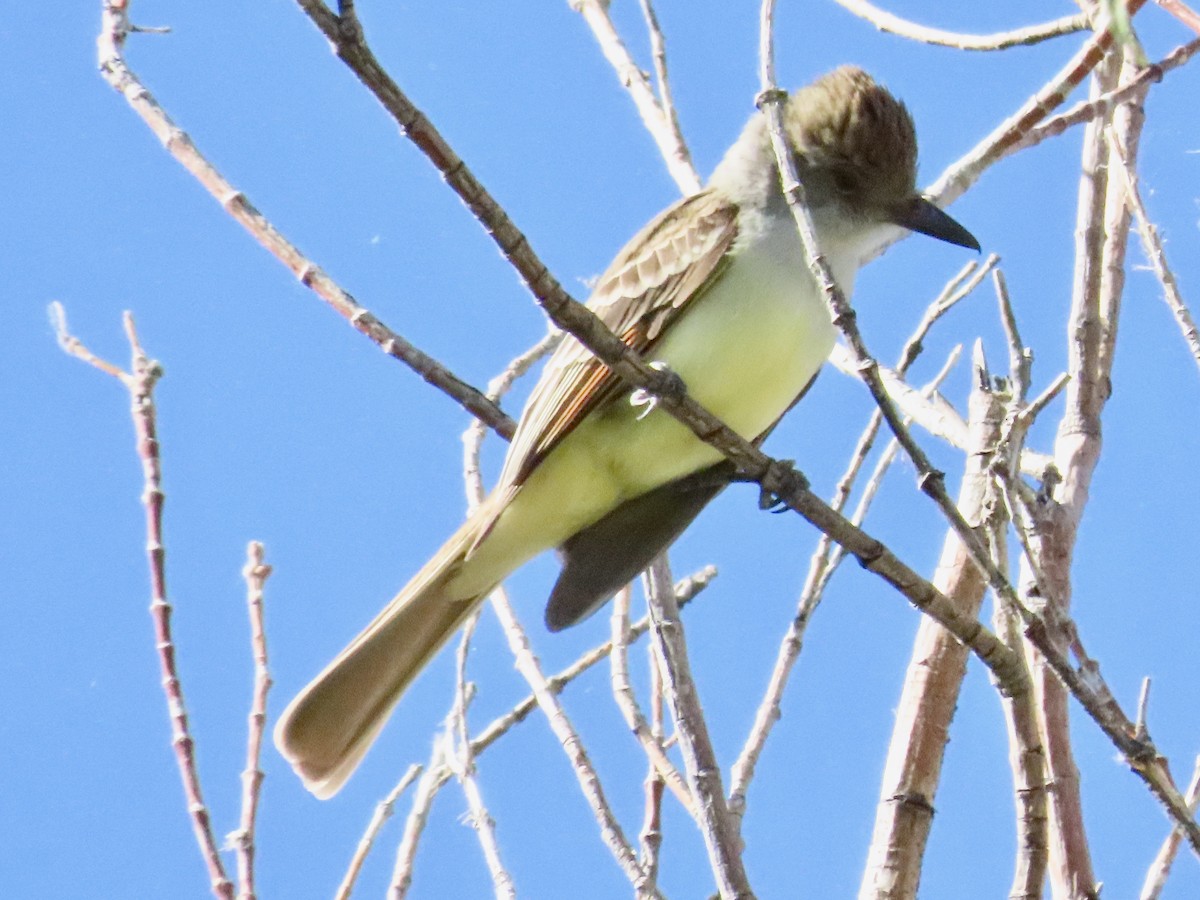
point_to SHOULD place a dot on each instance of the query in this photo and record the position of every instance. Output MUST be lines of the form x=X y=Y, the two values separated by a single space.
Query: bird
x=716 y=289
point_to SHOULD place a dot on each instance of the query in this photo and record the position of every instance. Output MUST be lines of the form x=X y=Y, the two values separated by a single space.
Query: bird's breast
x=745 y=349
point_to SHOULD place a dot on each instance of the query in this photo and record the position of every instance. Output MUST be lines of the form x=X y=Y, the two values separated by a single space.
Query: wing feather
x=647 y=286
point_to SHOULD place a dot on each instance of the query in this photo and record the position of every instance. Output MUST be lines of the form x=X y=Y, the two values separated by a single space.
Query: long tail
x=327 y=729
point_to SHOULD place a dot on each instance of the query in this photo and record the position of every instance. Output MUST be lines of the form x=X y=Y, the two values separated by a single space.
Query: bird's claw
x=649 y=401
x=769 y=501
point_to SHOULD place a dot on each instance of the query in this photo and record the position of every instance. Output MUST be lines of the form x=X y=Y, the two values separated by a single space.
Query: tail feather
x=325 y=732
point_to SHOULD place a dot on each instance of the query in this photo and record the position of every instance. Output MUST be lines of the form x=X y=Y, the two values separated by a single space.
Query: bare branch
x=115 y=28
x=461 y=761
x=1033 y=34
x=1086 y=110
x=1156 y=877
x=1007 y=136
x=589 y=780
x=383 y=812
x=1182 y=12
x=140 y=380
x=651 y=836
x=436 y=774
x=826 y=558
x=635 y=719
x=256 y=572
x=931 y=687
x=660 y=122
x=718 y=827
x=1152 y=246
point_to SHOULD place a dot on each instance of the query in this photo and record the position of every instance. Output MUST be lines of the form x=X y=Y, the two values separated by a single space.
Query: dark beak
x=918 y=214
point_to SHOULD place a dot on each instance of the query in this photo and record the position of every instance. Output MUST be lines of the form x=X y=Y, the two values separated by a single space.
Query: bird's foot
x=790 y=478
x=648 y=401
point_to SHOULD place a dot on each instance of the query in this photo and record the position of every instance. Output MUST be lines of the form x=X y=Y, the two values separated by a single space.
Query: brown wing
x=646 y=287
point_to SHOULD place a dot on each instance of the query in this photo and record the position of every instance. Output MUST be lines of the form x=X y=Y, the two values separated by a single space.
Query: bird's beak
x=918 y=214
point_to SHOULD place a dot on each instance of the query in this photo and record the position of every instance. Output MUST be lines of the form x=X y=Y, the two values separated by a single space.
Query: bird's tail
x=327 y=729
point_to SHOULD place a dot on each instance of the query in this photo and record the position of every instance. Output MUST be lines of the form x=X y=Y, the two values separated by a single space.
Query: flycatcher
x=717 y=289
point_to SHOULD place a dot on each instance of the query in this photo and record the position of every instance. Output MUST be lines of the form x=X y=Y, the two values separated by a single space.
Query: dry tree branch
x=115 y=28
x=1152 y=246
x=1077 y=452
x=1027 y=751
x=589 y=780
x=826 y=559
x=650 y=838
x=717 y=825
x=931 y=411
x=1086 y=110
x=1032 y=34
x=1006 y=137
x=461 y=761
x=437 y=773
x=635 y=719
x=256 y=572
x=139 y=381
x=659 y=118
x=383 y=811
x=1182 y=12
x=931 y=685
x=658 y=49
x=1102 y=229
x=1156 y=877
x=1080 y=682
x=685 y=591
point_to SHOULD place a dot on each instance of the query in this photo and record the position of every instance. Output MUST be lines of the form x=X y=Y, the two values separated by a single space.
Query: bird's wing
x=651 y=281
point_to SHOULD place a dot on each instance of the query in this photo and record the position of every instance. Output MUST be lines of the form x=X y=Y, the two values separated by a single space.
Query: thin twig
x=589 y=780
x=658 y=49
x=1086 y=110
x=436 y=774
x=462 y=762
x=825 y=561
x=662 y=125
x=1182 y=12
x=650 y=838
x=1141 y=729
x=115 y=28
x=685 y=591
x=1156 y=876
x=383 y=811
x=139 y=381
x=1152 y=246
x=256 y=573
x=635 y=719
x=1032 y=34
x=718 y=827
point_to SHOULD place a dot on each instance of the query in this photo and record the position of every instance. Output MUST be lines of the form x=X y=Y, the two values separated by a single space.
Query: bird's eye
x=846 y=182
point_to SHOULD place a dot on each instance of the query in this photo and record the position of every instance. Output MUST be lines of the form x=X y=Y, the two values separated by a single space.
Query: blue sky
x=279 y=423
